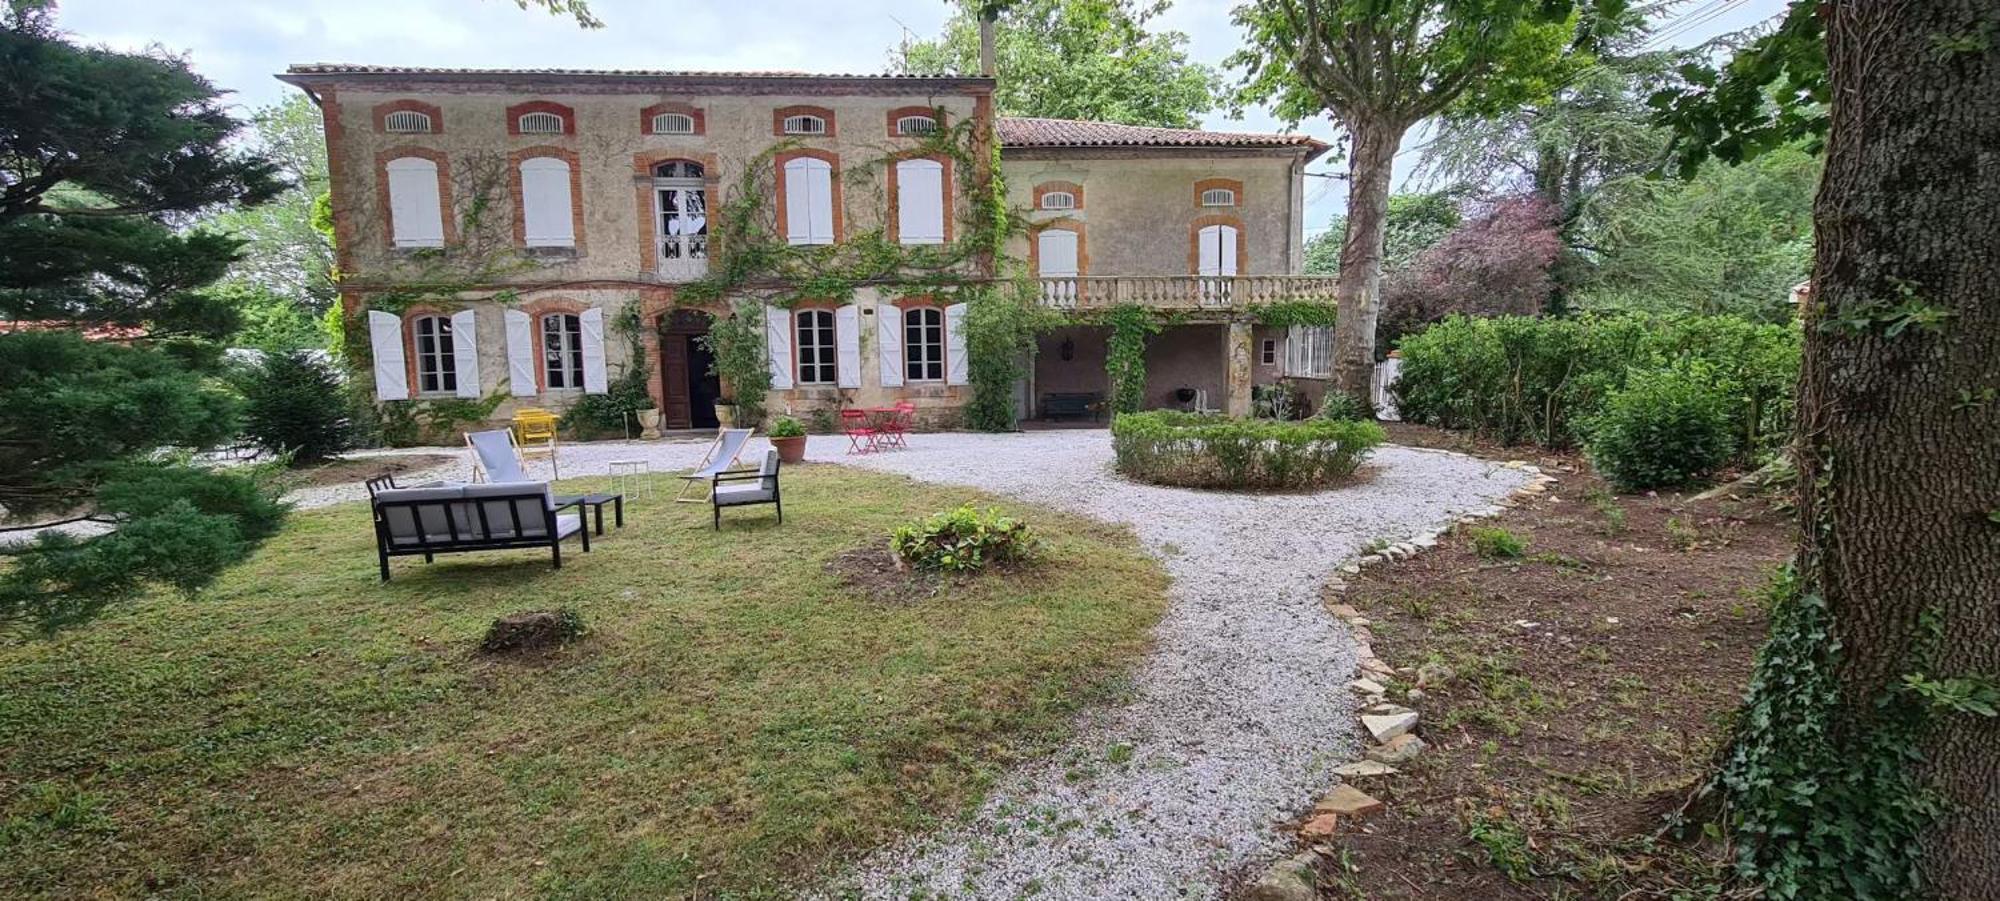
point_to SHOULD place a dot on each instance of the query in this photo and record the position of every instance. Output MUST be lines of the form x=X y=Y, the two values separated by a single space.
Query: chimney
x=986 y=17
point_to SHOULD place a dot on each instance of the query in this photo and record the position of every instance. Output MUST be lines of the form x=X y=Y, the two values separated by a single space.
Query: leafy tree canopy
x=1771 y=94
x=285 y=253
x=1417 y=221
x=1076 y=59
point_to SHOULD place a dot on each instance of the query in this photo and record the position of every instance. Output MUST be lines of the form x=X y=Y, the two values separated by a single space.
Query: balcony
x=1195 y=293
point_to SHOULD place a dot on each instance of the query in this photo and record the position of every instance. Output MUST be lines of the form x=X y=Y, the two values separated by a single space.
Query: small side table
x=595 y=504
x=628 y=472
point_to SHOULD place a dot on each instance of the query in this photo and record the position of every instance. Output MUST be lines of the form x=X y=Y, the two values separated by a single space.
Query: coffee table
x=596 y=502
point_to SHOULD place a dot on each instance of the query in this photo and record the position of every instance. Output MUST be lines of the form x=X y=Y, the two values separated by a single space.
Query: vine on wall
x=1288 y=313
x=1125 y=354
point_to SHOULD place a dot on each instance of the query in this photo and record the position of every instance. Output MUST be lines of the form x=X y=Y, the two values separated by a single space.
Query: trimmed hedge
x=1666 y=428
x=1196 y=451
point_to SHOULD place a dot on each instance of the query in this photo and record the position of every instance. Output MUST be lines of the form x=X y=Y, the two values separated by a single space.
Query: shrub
x=963 y=540
x=1495 y=543
x=597 y=415
x=294 y=404
x=1343 y=407
x=1197 y=451
x=1665 y=428
x=787 y=427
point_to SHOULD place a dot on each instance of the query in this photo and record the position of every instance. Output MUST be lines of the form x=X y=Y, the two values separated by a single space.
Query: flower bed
x=1195 y=451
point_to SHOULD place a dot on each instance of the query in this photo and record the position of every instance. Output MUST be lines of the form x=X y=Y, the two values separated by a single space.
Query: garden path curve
x=1238 y=715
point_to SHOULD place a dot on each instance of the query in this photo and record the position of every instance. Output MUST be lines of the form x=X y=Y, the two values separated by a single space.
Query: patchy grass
x=733 y=722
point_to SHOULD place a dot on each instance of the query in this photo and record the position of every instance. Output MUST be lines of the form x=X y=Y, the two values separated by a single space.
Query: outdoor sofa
x=458 y=519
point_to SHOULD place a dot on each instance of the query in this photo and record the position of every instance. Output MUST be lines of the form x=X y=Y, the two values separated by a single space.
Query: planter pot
x=790 y=450
x=725 y=415
x=649 y=424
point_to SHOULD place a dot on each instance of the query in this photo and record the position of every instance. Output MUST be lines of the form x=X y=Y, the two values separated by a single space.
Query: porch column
x=1236 y=356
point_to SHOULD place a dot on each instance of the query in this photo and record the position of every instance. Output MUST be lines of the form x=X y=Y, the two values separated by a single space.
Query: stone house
x=535 y=236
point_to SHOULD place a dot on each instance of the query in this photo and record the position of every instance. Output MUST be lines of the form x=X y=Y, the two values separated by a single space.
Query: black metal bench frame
x=1080 y=404
x=481 y=538
x=748 y=475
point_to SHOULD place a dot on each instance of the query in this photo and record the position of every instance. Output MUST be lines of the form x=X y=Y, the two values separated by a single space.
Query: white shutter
x=778 y=342
x=1055 y=253
x=545 y=203
x=592 y=322
x=520 y=353
x=889 y=344
x=847 y=346
x=385 y=339
x=1218 y=250
x=465 y=353
x=808 y=201
x=920 y=202
x=955 y=368
x=416 y=216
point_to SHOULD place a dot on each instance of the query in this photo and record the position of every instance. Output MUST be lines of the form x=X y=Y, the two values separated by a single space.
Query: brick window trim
x=1210 y=184
x=903 y=112
x=792 y=322
x=691 y=111
x=380 y=114
x=1070 y=225
x=839 y=203
x=779 y=115
x=642 y=179
x=410 y=317
x=894 y=212
x=903 y=306
x=536 y=310
x=520 y=208
x=515 y=112
x=1242 y=241
x=446 y=209
x=1069 y=187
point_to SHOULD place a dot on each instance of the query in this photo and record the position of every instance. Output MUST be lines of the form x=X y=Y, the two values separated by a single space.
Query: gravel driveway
x=1239 y=714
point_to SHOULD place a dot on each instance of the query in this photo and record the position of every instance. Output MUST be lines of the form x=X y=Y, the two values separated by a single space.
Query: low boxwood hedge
x=1197 y=451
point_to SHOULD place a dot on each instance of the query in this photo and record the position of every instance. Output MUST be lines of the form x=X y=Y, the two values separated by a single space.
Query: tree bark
x=1371 y=158
x=1899 y=461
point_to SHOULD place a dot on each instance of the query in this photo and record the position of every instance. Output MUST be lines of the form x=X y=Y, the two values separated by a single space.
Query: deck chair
x=495 y=458
x=721 y=457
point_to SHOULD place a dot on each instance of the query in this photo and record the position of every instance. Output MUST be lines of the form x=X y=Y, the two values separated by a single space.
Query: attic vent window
x=407 y=122
x=916 y=125
x=673 y=124
x=1058 y=200
x=1218 y=197
x=805 y=125
x=541 y=124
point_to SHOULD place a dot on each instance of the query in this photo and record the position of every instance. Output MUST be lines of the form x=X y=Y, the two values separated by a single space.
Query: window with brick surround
x=540 y=123
x=815 y=343
x=1058 y=200
x=920 y=202
x=808 y=201
x=416 y=212
x=916 y=125
x=406 y=121
x=562 y=351
x=805 y=125
x=673 y=124
x=1218 y=197
x=437 y=367
x=547 y=214
x=923 y=344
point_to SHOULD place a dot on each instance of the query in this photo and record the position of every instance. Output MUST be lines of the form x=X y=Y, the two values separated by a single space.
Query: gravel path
x=1239 y=714
x=580 y=459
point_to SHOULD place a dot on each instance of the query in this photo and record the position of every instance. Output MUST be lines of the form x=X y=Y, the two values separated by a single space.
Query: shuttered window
x=920 y=202
x=805 y=125
x=923 y=344
x=1217 y=250
x=407 y=122
x=673 y=124
x=416 y=217
x=540 y=124
x=808 y=201
x=437 y=367
x=1055 y=253
x=562 y=351
x=1218 y=197
x=816 y=354
x=547 y=217
x=1058 y=200
x=916 y=125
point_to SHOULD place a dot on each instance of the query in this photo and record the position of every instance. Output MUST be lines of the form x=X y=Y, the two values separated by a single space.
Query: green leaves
x=1772 y=93
x=1205 y=451
x=1975 y=695
x=964 y=539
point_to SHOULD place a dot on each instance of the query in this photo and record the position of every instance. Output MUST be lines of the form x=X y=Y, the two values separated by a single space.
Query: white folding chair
x=721 y=457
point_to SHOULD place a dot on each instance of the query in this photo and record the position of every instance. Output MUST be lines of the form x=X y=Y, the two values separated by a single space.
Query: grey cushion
x=407 y=524
x=727 y=495
x=509 y=514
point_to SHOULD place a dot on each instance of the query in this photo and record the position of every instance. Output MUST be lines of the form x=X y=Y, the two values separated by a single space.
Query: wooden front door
x=687 y=388
x=676 y=412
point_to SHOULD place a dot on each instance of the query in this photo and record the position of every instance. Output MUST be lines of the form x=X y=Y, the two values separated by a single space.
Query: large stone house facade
x=535 y=236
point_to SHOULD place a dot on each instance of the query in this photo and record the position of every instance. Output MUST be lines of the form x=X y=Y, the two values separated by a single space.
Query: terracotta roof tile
x=1019 y=131
x=419 y=71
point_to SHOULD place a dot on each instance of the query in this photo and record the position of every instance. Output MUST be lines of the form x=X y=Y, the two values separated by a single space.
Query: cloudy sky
x=239 y=44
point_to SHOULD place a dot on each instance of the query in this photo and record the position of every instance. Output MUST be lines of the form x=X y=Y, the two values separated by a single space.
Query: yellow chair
x=535 y=435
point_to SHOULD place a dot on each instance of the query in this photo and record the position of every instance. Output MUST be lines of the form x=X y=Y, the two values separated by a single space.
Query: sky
x=240 y=44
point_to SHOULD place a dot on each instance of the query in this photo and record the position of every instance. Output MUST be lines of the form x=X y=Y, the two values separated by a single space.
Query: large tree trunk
x=1371 y=156
x=1899 y=456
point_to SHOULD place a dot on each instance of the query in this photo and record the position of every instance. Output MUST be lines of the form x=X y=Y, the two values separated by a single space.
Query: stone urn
x=649 y=424
x=725 y=414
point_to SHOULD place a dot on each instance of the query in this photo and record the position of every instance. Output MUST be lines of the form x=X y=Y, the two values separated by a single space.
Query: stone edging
x=1391 y=728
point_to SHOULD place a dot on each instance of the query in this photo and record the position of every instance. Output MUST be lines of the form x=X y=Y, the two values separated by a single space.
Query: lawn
x=736 y=722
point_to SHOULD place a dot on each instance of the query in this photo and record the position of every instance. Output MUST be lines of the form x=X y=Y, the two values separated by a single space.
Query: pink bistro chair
x=896 y=426
x=861 y=437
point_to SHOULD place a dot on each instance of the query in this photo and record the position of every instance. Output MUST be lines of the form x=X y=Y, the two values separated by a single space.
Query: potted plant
x=725 y=412
x=788 y=435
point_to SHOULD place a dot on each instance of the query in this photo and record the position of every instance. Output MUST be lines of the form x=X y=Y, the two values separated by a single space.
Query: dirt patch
x=1594 y=675
x=341 y=472
x=874 y=573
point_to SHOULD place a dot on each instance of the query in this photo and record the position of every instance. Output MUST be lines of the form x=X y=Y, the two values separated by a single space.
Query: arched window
x=817 y=363
x=540 y=123
x=562 y=351
x=547 y=211
x=916 y=125
x=405 y=121
x=437 y=369
x=680 y=218
x=1218 y=197
x=1058 y=200
x=673 y=124
x=805 y=125
x=923 y=344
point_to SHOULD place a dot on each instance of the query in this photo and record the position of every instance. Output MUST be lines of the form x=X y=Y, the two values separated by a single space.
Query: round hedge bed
x=1205 y=451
